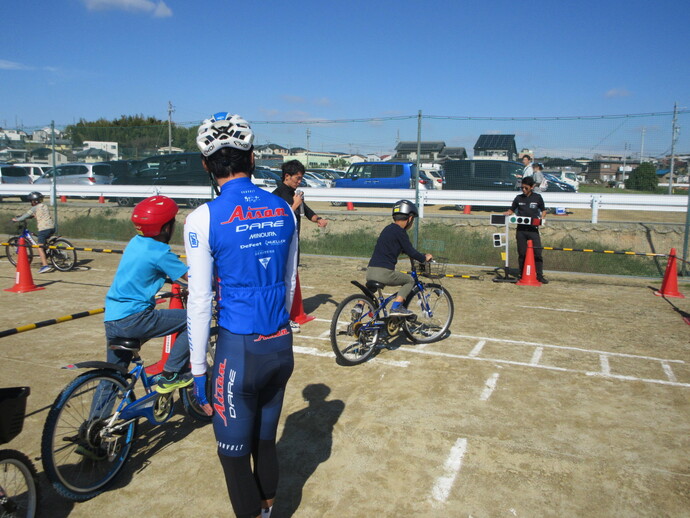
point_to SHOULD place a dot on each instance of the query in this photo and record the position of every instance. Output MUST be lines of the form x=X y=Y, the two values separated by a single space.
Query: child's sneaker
x=294 y=326
x=400 y=311
x=45 y=269
x=173 y=381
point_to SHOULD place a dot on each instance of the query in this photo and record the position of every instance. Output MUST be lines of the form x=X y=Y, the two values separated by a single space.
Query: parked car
x=264 y=178
x=313 y=180
x=482 y=175
x=174 y=169
x=566 y=176
x=14 y=174
x=556 y=185
x=78 y=173
x=331 y=174
x=380 y=175
x=35 y=170
x=438 y=177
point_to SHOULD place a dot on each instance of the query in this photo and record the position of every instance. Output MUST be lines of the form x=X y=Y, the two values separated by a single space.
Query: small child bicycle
x=59 y=251
x=91 y=426
x=361 y=322
x=18 y=477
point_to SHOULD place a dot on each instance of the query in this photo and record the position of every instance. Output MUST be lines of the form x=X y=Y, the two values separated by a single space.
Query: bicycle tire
x=63 y=260
x=351 y=344
x=12 y=251
x=189 y=401
x=73 y=422
x=429 y=327
x=19 y=483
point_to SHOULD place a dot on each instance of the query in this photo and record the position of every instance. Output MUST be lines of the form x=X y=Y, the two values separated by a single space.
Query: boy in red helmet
x=130 y=303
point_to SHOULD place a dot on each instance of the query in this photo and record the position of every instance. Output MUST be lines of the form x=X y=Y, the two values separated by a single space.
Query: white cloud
x=618 y=92
x=12 y=65
x=293 y=99
x=158 y=9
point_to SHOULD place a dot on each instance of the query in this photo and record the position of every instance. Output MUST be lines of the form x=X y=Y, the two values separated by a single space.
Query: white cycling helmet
x=224 y=129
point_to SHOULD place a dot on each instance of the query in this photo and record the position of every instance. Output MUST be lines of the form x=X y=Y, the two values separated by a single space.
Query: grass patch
x=104 y=228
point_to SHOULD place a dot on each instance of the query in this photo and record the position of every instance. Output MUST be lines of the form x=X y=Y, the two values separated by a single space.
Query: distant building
x=605 y=171
x=112 y=148
x=266 y=150
x=496 y=147
x=454 y=153
x=428 y=151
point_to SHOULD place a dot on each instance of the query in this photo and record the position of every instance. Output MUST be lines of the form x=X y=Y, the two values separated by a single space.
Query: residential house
x=605 y=171
x=496 y=147
x=112 y=148
x=454 y=153
x=428 y=151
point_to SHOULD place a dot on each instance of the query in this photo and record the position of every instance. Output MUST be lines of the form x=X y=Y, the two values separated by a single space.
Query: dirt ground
x=570 y=399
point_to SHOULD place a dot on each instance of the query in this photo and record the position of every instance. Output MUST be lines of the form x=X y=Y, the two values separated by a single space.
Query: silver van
x=35 y=170
x=10 y=173
x=78 y=173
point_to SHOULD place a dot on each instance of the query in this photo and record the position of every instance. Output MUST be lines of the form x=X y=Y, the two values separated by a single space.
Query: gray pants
x=392 y=278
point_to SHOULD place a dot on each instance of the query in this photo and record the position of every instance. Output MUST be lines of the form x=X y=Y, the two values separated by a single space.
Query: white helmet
x=224 y=129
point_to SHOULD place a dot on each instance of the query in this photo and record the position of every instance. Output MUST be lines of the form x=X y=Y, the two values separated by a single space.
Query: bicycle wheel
x=78 y=459
x=189 y=401
x=433 y=309
x=18 y=485
x=352 y=340
x=64 y=260
x=12 y=250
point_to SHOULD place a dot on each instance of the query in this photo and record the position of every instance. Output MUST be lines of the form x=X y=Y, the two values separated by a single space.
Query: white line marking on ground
x=668 y=371
x=325 y=334
x=605 y=367
x=564 y=347
x=553 y=309
x=489 y=387
x=477 y=349
x=444 y=483
x=536 y=356
x=329 y=354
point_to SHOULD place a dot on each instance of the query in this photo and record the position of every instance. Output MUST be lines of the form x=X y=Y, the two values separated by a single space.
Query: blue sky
x=270 y=61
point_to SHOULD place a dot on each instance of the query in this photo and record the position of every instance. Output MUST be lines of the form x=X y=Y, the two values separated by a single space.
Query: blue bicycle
x=91 y=426
x=361 y=324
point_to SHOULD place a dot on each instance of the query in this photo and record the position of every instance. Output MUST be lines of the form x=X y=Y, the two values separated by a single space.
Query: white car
x=261 y=178
x=35 y=170
x=314 y=181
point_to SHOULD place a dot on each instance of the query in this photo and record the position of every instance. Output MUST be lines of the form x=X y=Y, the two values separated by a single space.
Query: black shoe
x=543 y=280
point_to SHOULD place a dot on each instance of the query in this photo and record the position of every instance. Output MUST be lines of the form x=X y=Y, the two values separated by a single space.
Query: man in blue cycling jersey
x=241 y=250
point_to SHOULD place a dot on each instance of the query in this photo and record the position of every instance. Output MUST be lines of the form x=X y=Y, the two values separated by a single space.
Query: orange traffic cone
x=23 y=281
x=63 y=198
x=467 y=209
x=168 y=341
x=529 y=270
x=297 y=313
x=669 y=286
x=101 y=199
x=350 y=205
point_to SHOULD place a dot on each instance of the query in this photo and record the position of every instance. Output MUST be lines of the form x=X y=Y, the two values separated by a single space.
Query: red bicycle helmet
x=150 y=215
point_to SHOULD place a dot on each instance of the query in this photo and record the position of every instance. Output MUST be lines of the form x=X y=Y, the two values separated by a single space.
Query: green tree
x=643 y=178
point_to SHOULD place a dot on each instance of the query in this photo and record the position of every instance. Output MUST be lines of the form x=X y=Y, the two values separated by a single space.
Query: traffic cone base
x=350 y=205
x=169 y=340
x=24 y=282
x=297 y=313
x=669 y=286
x=529 y=273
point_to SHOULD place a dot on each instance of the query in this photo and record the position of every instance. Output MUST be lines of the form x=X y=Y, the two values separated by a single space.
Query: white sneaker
x=294 y=326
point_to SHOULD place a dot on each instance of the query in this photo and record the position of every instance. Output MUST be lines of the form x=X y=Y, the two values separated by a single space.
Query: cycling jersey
x=244 y=241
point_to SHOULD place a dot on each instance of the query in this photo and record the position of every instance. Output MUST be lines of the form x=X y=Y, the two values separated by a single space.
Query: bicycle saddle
x=375 y=285
x=125 y=344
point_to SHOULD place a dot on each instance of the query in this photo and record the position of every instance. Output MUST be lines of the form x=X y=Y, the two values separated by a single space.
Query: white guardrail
x=594 y=202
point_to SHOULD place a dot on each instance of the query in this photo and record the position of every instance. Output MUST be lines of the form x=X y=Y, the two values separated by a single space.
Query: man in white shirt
x=527 y=162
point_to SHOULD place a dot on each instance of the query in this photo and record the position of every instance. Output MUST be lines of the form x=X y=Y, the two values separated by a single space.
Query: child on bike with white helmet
x=130 y=305
x=46 y=226
x=393 y=241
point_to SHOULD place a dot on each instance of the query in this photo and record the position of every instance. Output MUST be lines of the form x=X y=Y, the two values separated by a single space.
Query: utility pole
x=644 y=131
x=171 y=109
x=625 y=156
x=416 y=176
x=308 y=135
x=674 y=137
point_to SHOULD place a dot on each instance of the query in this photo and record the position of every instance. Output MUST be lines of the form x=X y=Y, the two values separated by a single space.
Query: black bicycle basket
x=12 y=411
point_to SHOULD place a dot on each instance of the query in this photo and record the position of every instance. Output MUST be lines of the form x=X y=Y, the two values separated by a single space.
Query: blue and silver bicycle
x=92 y=425
x=361 y=324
